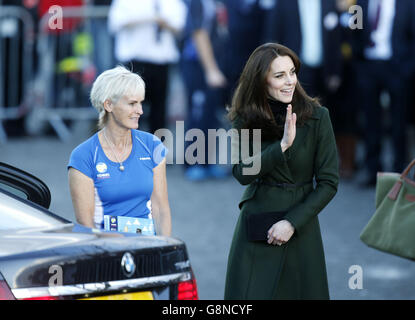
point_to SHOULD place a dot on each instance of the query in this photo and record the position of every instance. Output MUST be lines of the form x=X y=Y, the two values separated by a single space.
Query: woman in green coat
x=297 y=145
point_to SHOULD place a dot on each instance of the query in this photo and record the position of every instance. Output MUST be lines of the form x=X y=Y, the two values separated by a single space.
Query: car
x=46 y=257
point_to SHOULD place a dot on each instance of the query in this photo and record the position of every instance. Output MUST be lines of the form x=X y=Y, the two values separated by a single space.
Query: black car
x=43 y=256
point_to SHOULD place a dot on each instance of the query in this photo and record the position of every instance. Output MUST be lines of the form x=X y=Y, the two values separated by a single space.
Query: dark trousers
x=374 y=77
x=155 y=77
x=204 y=103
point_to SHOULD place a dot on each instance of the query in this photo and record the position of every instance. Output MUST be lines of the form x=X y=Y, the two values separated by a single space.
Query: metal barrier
x=60 y=82
x=16 y=66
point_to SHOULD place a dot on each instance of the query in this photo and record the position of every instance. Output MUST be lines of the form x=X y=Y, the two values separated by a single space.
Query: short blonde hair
x=111 y=85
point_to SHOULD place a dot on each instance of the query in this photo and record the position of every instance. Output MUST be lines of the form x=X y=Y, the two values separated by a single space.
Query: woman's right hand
x=280 y=232
x=289 y=129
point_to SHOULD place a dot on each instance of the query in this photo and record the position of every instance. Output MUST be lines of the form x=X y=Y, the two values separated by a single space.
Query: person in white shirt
x=145 y=40
x=384 y=51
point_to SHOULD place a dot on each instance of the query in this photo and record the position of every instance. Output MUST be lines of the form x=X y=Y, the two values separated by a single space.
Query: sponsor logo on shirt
x=145 y=158
x=101 y=167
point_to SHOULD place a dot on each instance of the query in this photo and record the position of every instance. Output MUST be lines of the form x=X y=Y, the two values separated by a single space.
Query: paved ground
x=204 y=215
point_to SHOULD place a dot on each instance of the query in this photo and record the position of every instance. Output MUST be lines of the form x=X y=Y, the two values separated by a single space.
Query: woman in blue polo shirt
x=120 y=171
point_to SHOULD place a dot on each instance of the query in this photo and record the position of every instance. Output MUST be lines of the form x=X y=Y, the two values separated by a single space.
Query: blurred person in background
x=65 y=67
x=204 y=57
x=103 y=41
x=297 y=146
x=145 y=39
x=311 y=29
x=247 y=24
x=68 y=24
x=119 y=171
x=385 y=50
x=345 y=114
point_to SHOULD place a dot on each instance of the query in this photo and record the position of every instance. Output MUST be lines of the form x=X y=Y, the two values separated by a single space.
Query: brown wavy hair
x=249 y=104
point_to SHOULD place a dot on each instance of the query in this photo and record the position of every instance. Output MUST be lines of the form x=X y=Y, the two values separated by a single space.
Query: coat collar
x=316 y=114
x=302 y=132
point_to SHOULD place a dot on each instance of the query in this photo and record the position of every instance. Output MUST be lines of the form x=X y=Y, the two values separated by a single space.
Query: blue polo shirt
x=120 y=193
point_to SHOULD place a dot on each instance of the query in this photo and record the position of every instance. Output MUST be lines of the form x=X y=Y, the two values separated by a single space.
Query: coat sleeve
x=247 y=169
x=325 y=173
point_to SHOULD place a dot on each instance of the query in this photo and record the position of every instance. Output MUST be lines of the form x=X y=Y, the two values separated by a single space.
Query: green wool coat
x=297 y=269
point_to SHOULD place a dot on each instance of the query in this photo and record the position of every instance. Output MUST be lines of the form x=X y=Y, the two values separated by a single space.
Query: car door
x=24 y=185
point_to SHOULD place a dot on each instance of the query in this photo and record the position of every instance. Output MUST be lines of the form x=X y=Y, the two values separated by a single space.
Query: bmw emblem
x=128 y=264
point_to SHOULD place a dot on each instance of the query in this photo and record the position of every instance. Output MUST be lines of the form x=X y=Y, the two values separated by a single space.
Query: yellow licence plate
x=145 y=295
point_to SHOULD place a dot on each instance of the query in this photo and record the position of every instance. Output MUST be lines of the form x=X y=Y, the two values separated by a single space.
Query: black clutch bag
x=260 y=223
